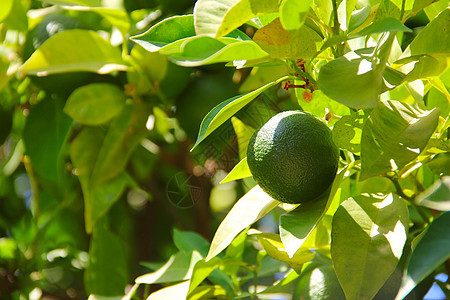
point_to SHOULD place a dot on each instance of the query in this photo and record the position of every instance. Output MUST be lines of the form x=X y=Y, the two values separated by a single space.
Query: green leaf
x=208 y=292
x=5 y=8
x=298 y=224
x=217 y=18
x=431 y=251
x=394 y=134
x=426 y=66
x=243 y=133
x=176 y=291
x=47 y=125
x=368 y=233
x=116 y=17
x=279 y=43
x=272 y=244
x=189 y=241
x=347 y=132
x=286 y=284
x=356 y=79
x=239 y=171
x=8 y=248
x=124 y=133
x=437 y=99
x=202 y=269
x=202 y=50
x=15 y=16
x=106 y=273
x=437 y=196
x=148 y=70
x=84 y=152
x=75 y=2
x=99 y=199
x=95 y=103
x=247 y=210
x=175 y=37
x=293 y=13
x=434 y=38
x=225 y=110
x=419 y=4
x=179 y=267
x=358 y=18
x=88 y=52
x=260 y=76
x=321 y=104
x=166 y=32
x=383 y=25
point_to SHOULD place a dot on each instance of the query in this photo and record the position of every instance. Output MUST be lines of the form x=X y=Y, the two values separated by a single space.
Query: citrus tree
x=374 y=71
x=107 y=105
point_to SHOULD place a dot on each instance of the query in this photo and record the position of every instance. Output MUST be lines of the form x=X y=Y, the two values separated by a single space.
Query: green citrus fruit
x=293 y=157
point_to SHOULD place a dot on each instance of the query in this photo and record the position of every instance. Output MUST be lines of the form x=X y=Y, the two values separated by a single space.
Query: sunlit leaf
x=75 y=2
x=176 y=291
x=297 y=225
x=279 y=43
x=225 y=110
x=272 y=244
x=356 y=79
x=434 y=38
x=95 y=103
x=88 y=52
x=293 y=13
x=5 y=8
x=321 y=104
x=426 y=66
x=394 y=134
x=368 y=233
x=347 y=132
x=201 y=270
x=217 y=18
x=358 y=17
x=164 y=33
x=247 y=210
x=192 y=51
x=383 y=25
x=178 y=268
x=239 y=171
x=116 y=17
x=437 y=196
x=243 y=133
x=207 y=292
x=431 y=251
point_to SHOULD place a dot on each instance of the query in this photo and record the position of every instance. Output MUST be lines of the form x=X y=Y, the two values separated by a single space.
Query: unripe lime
x=293 y=157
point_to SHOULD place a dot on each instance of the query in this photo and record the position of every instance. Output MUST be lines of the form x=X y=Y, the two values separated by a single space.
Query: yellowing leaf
x=279 y=43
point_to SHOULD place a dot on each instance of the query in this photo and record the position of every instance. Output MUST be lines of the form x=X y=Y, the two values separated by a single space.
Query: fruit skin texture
x=293 y=157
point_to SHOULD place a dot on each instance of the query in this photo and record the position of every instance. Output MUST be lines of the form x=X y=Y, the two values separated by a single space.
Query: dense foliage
x=124 y=128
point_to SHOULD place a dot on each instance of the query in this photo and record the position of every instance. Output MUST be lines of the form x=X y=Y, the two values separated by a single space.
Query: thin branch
x=336 y=27
x=410 y=199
